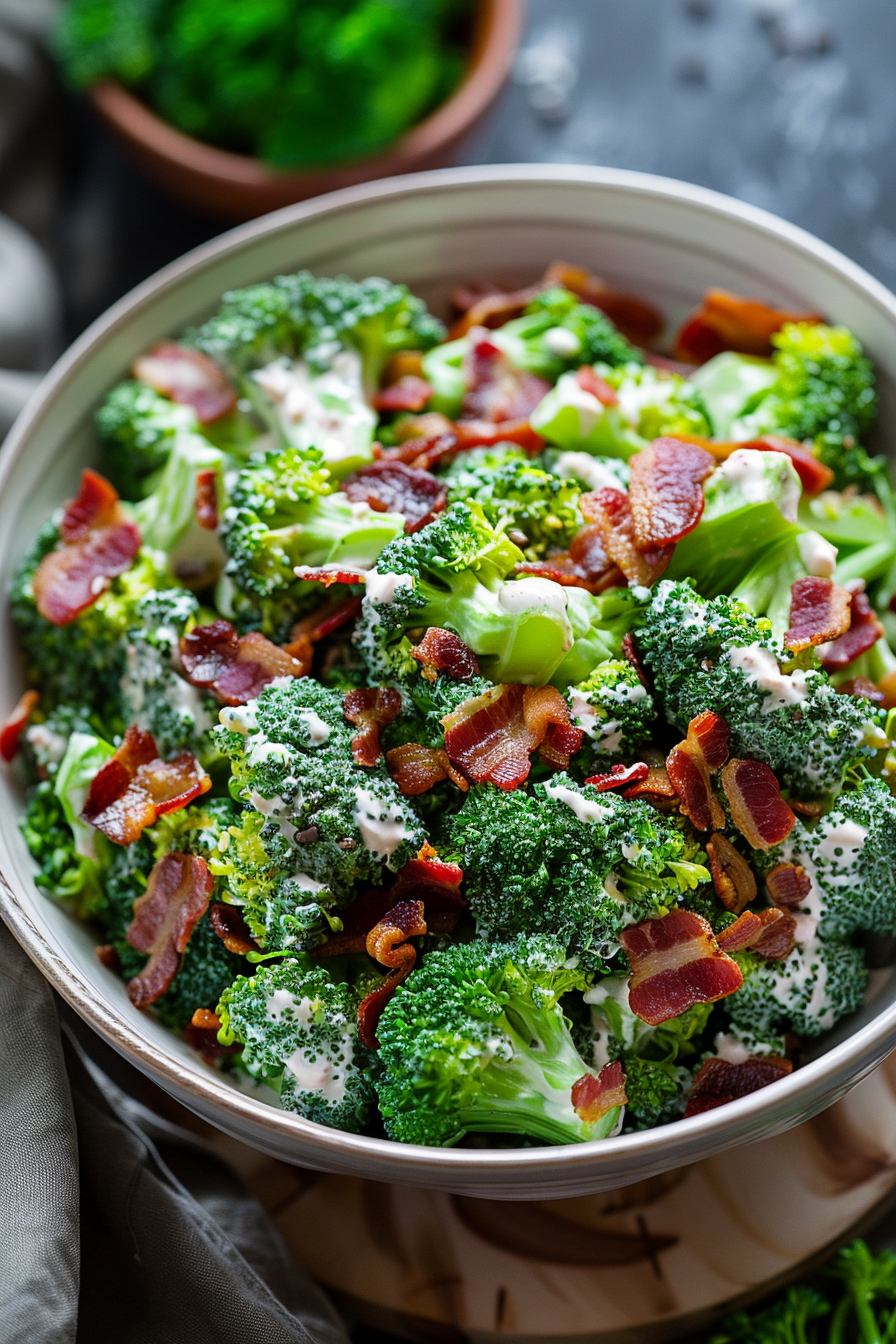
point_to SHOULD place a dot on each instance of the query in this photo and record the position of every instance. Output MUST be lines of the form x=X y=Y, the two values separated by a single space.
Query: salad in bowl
x=476 y=736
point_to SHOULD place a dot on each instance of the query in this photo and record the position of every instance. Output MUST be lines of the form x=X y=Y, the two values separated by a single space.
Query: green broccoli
x=516 y=494
x=815 y=986
x=63 y=873
x=300 y=1035
x=787 y=1321
x=567 y=860
x=614 y=710
x=138 y=426
x=475 y=1040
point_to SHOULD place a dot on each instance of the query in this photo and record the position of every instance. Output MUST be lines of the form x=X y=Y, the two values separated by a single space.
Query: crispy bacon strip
x=727 y=321
x=593 y=1097
x=717 y=1082
x=620 y=777
x=636 y=319
x=11 y=732
x=310 y=630
x=665 y=492
x=732 y=876
x=585 y=565
x=201 y=1034
x=232 y=929
x=630 y=654
x=862 y=634
x=492 y=736
x=490 y=308
x=394 y=487
x=235 y=668
x=326 y=576
x=207 y=500
x=590 y=381
x=862 y=688
x=387 y=943
x=676 y=963
x=788 y=885
x=98 y=542
x=757 y=808
x=770 y=933
x=189 y=378
x=429 y=879
x=496 y=391
x=707 y=738
x=370 y=709
x=656 y=789
x=444 y=651
x=696 y=798
x=416 y=768
x=409 y=392
x=819 y=612
x=176 y=897
x=610 y=510
x=134 y=788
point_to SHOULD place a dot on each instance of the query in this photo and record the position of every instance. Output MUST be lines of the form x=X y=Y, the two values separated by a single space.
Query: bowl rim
x=791 y=1098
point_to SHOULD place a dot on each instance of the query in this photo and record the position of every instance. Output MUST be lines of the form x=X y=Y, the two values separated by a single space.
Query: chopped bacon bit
x=769 y=932
x=492 y=309
x=732 y=876
x=676 y=963
x=630 y=654
x=322 y=574
x=387 y=944
x=206 y=1020
x=11 y=732
x=561 y=742
x=176 y=897
x=235 y=668
x=207 y=499
x=620 y=777
x=362 y=915
x=482 y=434
x=584 y=565
x=134 y=788
x=819 y=611
x=492 y=736
x=635 y=318
x=656 y=789
x=404 y=364
x=394 y=487
x=444 y=651
x=887 y=688
x=108 y=957
x=862 y=633
x=863 y=689
x=232 y=929
x=717 y=1082
x=201 y=1033
x=708 y=736
x=594 y=1096
x=788 y=885
x=727 y=321
x=690 y=779
x=598 y=387
x=189 y=378
x=370 y=709
x=429 y=879
x=666 y=492
x=496 y=391
x=610 y=510
x=416 y=769
x=310 y=630
x=98 y=542
x=757 y=808
x=428 y=426
x=408 y=393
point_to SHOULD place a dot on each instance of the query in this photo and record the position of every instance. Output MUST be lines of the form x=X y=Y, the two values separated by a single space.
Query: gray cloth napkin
x=101 y=1241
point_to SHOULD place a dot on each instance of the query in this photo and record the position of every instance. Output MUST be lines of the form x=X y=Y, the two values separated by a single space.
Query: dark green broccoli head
x=599 y=342
x=614 y=710
x=809 y=992
x=63 y=873
x=138 y=427
x=514 y=493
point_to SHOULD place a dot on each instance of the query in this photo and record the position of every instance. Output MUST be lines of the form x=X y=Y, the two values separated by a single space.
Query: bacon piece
x=387 y=943
x=394 y=487
x=189 y=378
x=429 y=879
x=408 y=393
x=590 y=381
x=444 y=651
x=323 y=574
x=364 y=913
x=490 y=308
x=707 y=737
x=620 y=776
x=610 y=510
x=594 y=1096
x=403 y=364
x=887 y=688
x=732 y=876
x=492 y=736
x=11 y=732
x=98 y=542
x=370 y=709
x=690 y=779
x=757 y=808
x=585 y=565
x=481 y=434
x=416 y=768
x=176 y=897
x=769 y=932
x=656 y=789
x=310 y=630
x=207 y=500
x=636 y=319
x=727 y=321
x=814 y=475
x=717 y=1082
x=496 y=391
x=665 y=492
x=201 y=1033
x=862 y=634
x=232 y=929
x=676 y=963
x=788 y=885
x=819 y=611
x=235 y=668
x=108 y=957
x=430 y=425
x=630 y=654
x=863 y=689
x=134 y=788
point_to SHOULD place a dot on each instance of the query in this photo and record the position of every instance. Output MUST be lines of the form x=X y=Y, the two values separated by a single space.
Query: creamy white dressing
x=325 y=409
x=261 y=750
x=817 y=554
x=317 y=1074
x=532 y=594
x=750 y=471
x=267 y=806
x=381 y=588
x=240 y=718
x=731 y=1049
x=843 y=843
x=318 y=731
x=47 y=745
x=590 y=470
x=306 y=883
x=760 y=667
x=562 y=342
x=381 y=824
x=586 y=809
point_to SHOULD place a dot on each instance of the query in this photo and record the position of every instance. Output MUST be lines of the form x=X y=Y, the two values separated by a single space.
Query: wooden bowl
x=237 y=186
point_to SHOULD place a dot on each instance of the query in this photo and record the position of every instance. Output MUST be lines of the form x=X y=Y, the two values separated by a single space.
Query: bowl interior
x=663 y=240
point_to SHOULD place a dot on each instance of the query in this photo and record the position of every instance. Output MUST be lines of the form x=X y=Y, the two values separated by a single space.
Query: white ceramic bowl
x=664 y=239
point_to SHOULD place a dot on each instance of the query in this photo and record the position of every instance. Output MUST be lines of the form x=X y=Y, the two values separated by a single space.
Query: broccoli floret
x=476 y=1040
x=300 y=1035
x=515 y=493
x=869 y=1281
x=567 y=860
x=63 y=873
x=614 y=710
x=815 y=986
x=138 y=427
x=718 y=656
x=788 y=1321
x=46 y=737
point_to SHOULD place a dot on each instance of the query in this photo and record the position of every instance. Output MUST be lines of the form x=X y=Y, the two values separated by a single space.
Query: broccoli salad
x=477 y=735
